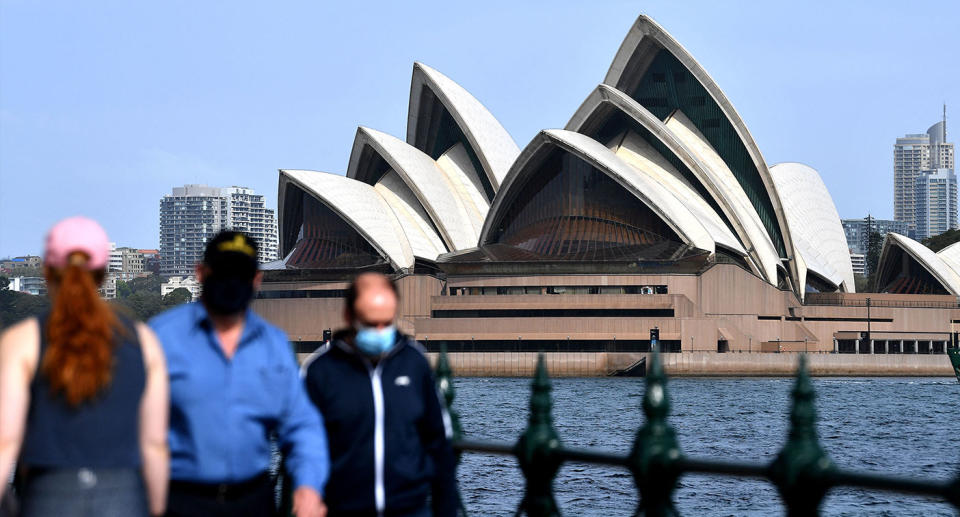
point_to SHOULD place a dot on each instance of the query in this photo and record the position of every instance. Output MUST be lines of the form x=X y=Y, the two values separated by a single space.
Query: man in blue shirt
x=234 y=381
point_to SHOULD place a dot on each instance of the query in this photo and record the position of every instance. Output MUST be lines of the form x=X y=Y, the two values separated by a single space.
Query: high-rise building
x=858 y=231
x=941 y=152
x=115 y=260
x=859 y=263
x=935 y=202
x=914 y=154
x=151 y=261
x=131 y=264
x=193 y=214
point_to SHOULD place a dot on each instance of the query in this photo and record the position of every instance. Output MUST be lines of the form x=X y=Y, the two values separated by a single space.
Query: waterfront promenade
x=602 y=364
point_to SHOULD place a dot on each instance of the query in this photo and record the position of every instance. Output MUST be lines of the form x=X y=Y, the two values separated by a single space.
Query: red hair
x=80 y=333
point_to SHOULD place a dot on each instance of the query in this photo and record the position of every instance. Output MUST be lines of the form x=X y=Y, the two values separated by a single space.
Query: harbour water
x=904 y=426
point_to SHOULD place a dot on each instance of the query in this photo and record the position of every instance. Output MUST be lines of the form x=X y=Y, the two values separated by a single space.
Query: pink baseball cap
x=77 y=234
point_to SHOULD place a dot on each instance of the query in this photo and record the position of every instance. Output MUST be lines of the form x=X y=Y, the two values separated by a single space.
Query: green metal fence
x=802 y=471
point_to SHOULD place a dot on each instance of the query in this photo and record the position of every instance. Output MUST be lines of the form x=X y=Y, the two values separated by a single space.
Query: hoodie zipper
x=379 y=490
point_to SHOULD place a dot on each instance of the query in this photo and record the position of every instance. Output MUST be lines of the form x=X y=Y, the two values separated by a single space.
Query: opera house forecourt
x=652 y=208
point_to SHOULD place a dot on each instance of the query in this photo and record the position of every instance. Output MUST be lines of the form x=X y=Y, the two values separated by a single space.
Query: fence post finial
x=538 y=449
x=802 y=470
x=653 y=460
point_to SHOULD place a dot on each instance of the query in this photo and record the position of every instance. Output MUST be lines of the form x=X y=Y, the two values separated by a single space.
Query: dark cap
x=232 y=254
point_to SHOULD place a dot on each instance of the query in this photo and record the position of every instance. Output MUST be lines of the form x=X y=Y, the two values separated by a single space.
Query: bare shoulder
x=152 y=351
x=21 y=341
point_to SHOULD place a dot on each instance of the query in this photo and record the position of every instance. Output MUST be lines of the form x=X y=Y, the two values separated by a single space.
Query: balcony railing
x=842 y=300
x=802 y=471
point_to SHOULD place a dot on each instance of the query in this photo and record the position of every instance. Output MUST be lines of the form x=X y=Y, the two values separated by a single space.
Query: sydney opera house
x=653 y=207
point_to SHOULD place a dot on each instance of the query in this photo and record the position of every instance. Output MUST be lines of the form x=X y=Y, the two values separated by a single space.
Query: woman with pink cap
x=83 y=394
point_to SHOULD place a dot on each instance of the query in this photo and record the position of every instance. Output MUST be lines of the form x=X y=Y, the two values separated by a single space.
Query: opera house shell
x=908 y=267
x=654 y=182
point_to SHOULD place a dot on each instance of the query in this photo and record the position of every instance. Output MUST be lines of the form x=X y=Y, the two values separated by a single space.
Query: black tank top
x=99 y=433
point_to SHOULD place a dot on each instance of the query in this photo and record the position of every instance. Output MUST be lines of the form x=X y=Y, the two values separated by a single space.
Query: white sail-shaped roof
x=459 y=171
x=595 y=110
x=360 y=206
x=951 y=256
x=645 y=187
x=491 y=143
x=637 y=152
x=729 y=189
x=439 y=198
x=929 y=260
x=814 y=223
x=414 y=220
x=638 y=50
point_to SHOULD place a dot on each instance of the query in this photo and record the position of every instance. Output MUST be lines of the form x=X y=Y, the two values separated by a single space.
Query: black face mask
x=226 y=296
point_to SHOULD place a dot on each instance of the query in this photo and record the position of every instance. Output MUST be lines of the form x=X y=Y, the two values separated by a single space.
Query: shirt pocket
x=267 y=391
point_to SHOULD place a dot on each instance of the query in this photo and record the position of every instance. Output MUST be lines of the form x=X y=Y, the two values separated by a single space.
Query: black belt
x=222 y=491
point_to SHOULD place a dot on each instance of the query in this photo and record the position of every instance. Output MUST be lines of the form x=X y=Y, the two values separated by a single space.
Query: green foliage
x=15 y=306
x=177 y=296
x=938 y=242
x=123 y=289
x=862 y=283
x=141 y=305
x=140 y=298
x=149 y=283
x=874 y=247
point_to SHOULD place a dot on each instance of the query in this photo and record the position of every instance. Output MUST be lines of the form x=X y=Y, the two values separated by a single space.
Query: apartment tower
x=913 y=155
x=191 y=215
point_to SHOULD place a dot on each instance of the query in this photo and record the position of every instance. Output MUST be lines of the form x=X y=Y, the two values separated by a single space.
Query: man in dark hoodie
x=389 y=435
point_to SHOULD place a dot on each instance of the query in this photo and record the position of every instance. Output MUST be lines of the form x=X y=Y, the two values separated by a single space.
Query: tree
x=15 y=306
x=862 y=283
x=874 y=247
x=177 y=296
x=141 y=305
x=123 y=289
x=938 y=242
x=149 y=283
x=28 y=305
x=140 y=298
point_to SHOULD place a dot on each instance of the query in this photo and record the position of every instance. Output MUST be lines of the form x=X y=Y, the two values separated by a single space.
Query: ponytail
x=78 y=361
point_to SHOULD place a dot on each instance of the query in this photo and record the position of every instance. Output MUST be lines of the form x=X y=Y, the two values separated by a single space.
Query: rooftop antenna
x=944 y=122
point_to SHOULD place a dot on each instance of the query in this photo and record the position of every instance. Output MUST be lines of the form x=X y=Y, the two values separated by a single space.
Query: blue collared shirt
x=222 y=411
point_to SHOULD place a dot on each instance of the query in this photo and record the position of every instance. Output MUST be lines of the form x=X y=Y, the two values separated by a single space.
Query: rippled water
x=906 y=426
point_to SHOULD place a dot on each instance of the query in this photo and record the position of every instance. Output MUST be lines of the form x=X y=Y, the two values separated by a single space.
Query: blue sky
x=104 y=106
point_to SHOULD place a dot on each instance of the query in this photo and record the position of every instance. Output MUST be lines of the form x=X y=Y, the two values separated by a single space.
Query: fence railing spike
x=802 y=470
x=538 y=449
x=656 y=453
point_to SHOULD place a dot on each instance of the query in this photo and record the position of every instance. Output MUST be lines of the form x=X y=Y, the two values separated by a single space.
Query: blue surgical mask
x=375 y=342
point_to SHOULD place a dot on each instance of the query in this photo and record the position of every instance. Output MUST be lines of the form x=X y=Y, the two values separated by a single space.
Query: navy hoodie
x=388 y=433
